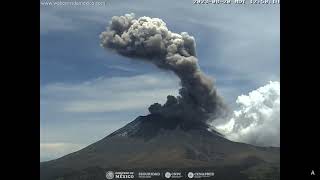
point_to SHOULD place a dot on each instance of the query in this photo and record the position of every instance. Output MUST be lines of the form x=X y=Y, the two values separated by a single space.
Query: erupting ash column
x=149 y=39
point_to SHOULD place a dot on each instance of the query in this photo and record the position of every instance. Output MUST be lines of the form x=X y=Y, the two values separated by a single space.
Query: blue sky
x=87 y=92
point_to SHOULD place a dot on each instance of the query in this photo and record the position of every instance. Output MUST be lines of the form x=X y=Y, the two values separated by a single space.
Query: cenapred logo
x=110 y=175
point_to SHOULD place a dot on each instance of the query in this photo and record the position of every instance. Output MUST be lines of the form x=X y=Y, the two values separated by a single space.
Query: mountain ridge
x=154 y=142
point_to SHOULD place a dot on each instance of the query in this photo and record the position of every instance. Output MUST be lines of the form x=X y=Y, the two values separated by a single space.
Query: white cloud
x=55 y=150
x=85 y=112
x=110 y=94
x=238 y=39
x=258 y=119
x=51 y=21
x=232 y=43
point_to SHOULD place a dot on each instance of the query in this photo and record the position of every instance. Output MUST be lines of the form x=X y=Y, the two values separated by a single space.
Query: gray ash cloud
x=148 y=39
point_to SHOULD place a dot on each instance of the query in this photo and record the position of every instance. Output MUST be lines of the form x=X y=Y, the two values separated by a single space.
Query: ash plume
x=149 y=39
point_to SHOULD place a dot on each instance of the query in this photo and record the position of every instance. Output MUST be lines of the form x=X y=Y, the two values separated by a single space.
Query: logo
x=312 y=173
x=200 y=175
x=110 y=175
x=148 y=175
x=190 y=175
x=119 y=175
x=167 y=175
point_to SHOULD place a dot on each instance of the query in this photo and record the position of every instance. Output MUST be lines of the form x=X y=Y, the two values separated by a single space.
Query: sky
x=87 y=92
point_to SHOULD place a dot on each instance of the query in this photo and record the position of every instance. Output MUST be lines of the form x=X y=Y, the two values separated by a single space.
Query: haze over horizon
x=84 y=90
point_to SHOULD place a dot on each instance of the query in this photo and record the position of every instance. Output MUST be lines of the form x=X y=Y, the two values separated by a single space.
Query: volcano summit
x=154 y=142
x=174 y=135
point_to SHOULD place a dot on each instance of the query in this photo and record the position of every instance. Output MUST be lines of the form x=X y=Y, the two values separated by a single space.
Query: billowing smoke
x=149 y=39
x=257 y=121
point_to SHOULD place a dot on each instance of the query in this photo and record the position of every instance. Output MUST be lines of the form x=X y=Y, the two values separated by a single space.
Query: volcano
x=154 y=142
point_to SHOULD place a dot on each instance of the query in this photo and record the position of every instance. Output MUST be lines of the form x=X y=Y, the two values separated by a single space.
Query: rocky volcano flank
x=156 y=143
